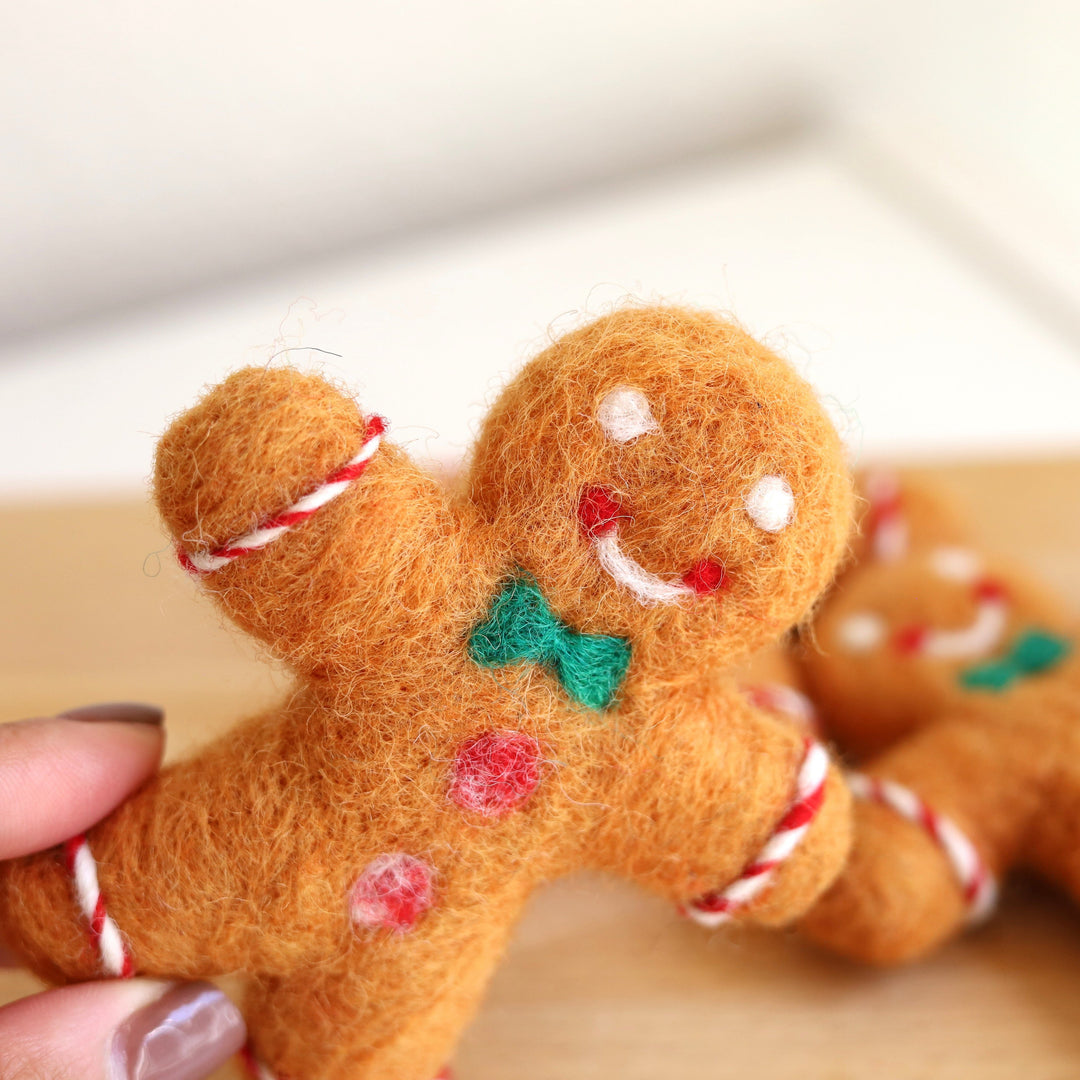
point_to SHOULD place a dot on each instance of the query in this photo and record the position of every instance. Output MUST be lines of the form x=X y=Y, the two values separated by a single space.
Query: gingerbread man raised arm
x=957 y=678
x=491 y=691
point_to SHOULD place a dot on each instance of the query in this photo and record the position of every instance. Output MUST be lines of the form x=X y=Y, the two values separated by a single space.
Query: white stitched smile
x=646 y=586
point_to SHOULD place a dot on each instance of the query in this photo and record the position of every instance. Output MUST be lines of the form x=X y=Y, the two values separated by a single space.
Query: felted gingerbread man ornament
x=492 y=689
x=954 y=678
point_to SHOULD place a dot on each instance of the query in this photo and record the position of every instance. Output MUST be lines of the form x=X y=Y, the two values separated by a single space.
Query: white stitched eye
x=770 y=503
x=955 y=564
x=861 y=631
x=624 y=414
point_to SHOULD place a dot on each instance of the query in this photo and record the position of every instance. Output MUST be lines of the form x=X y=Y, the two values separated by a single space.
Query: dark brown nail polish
x=125 y=712
x=184 y=1035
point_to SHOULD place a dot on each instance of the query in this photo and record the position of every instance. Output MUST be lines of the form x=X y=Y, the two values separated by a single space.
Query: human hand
x=58 y=777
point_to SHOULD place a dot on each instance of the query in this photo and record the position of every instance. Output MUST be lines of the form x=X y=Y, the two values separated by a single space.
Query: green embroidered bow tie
x=1032 y=652
x=521 y=626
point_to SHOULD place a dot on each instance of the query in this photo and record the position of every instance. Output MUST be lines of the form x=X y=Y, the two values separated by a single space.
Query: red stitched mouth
x=707 y=576
x=599 y=514
x=915 y=639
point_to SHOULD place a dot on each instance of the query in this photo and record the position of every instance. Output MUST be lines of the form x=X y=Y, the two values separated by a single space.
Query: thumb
x=134 y=1029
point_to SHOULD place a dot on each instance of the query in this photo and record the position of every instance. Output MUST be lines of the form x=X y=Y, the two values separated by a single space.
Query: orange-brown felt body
x=949 y=672
x=362 y=852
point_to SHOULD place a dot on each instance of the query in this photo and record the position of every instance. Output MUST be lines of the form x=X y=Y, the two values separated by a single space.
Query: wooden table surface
x=602 y=980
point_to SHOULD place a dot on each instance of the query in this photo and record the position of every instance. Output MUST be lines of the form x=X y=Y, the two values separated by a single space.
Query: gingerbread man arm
x=902 y=893
x=202 y=872
x=1053 y=847
x=716 y=794
x=308 y=528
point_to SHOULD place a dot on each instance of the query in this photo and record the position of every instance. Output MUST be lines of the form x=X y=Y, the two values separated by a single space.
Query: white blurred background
x=888 y=193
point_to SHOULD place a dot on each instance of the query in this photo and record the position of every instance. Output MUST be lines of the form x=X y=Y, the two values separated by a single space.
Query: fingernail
x=126 y=712
x=184 y=1035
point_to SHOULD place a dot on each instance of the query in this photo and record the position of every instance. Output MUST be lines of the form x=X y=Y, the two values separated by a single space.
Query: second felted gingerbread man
x=492 y=690
x=953 y=678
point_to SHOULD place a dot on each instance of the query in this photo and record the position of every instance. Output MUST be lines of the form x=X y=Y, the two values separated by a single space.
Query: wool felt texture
x=362 y=851
x=986 y=737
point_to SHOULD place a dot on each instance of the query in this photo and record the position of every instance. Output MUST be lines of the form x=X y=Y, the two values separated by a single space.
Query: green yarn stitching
x=1033 y=652
x=522 y=626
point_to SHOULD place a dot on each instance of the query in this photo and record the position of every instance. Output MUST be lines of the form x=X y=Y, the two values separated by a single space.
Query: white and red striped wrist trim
x=717 y=908
x=887 y=527
x=254 y=1066
x=786 y=701
x=206 y=562
x=104 y=933
x=976 y=881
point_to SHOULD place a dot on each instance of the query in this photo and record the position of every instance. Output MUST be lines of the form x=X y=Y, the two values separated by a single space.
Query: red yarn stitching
x=91 y=901
x=255 y=1067
x=977 y=882
x=495 y=773
x=715 y=908
x=705 y=577
x=207 y=562
x=989 y=589
x=910 y=639
x=249 y=1061
x=599 y=512
x=885 y=509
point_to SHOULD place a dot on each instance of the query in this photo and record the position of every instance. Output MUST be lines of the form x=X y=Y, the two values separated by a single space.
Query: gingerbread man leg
x=393 y=1005
x=904 y=891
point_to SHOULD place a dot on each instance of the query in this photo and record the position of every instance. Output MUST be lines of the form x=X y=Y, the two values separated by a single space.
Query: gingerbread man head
x=921 y=620
x=670 y=481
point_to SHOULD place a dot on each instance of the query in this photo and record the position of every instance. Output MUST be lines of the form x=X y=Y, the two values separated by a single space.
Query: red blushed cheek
x=599 y=512
x=990 y=590
x=706 y=577
x=909 y=640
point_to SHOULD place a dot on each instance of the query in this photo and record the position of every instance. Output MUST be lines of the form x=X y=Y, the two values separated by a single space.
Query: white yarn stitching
x=645 y=585
x=979 y=638
x=624 y=414
x=115 y=960
x=206 y=562
x=770 y=504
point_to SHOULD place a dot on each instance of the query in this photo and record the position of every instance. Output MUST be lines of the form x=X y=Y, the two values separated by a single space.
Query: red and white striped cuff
x=111 y=949
x=206 y=562
x=976 y=881
x=717 y=908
